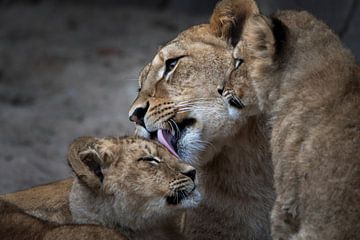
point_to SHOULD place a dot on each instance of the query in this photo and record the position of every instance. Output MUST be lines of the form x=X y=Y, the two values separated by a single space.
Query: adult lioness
x=309 y=85
x=15 y=224
x=178 y=104
x=130 y=184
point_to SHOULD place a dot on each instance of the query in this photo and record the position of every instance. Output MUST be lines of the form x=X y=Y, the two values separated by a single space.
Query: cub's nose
x=191 y=174
x=138 y=114
x=220 y=89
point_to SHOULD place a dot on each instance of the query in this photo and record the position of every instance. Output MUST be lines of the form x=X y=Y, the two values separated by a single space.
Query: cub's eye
x=238 y=62
x=150 y=159
x=139 y=89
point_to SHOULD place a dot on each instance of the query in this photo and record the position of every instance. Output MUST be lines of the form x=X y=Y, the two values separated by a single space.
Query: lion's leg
x=284 y=219
x=305 y=234
x=285 y=216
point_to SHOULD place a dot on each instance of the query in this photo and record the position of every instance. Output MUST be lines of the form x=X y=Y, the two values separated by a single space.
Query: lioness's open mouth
x=170 y=138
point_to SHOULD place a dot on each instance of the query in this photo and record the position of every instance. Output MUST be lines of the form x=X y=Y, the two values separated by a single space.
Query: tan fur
x=49 y=202
x=120 y=183
x=230 y=153
x=18 y=225
x=228 y=18
x=309 y=85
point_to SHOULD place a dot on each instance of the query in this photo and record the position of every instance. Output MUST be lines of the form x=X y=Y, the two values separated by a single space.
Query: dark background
x=70 y=68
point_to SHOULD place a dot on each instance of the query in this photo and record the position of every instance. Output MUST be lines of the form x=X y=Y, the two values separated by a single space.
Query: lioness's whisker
x=198 y=99
x=201 y=144
x=197 y=108
x=193 y=103
x=176 y=126
x=171 y=126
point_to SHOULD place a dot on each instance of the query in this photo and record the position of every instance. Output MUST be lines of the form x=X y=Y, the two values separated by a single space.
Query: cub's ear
x=229 y=17
x=86 y=161
x=264 y=37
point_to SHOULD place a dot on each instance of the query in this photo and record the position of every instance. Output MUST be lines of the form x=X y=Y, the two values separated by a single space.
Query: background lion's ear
x=229 y=17
x=86 y=162
x=260 y=38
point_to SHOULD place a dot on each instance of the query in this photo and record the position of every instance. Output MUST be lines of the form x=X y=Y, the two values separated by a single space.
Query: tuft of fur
x=309 y=86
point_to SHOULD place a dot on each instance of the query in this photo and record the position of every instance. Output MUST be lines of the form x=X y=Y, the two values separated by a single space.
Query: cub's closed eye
x=238 y=62
x=170 y=64
x=149 y=159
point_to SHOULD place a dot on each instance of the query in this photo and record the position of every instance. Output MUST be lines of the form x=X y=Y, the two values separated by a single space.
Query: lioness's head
x=178 y=103
x=129 y=182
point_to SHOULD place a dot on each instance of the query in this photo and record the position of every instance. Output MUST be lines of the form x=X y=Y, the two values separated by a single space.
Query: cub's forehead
x=132 y=148
x=145 y=147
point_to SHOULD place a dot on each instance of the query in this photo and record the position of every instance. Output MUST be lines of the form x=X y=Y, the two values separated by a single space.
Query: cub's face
x=178 y=103
x=139 y=178
x=237 y=89
x=252 y=79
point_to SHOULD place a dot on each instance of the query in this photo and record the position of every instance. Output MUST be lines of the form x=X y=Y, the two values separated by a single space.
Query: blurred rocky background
x=70 y=68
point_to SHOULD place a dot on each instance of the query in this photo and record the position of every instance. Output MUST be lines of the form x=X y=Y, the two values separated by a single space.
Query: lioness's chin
x=190 y=145
x=142 y=132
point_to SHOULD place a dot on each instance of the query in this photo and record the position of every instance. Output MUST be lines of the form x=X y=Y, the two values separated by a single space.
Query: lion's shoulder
x=16 y=224
x=48 y=202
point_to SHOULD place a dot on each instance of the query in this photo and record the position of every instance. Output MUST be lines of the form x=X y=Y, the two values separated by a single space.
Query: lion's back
x=16 y=224
x=49 y=202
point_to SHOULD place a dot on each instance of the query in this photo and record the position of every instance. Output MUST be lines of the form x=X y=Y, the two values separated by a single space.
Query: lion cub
x=18 y=225
x=309 y=85
x=129 y=184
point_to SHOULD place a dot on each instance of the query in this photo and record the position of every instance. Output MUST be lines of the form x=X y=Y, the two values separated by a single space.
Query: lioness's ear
x=86 y=162
x=229 y=17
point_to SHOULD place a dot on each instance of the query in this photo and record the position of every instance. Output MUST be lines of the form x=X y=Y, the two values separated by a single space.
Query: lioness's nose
x=191 y=174
x=138 y=114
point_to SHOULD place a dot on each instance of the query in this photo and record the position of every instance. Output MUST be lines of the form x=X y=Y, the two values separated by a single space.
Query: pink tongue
x=164 y=138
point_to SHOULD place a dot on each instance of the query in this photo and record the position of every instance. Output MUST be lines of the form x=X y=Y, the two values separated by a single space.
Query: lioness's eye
x=149 y=159
x=238 y=62
x=170 y=65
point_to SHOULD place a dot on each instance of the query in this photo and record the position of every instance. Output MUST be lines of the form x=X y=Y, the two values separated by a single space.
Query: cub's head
x=178 y=103
x=251 y=84
x=130 y=182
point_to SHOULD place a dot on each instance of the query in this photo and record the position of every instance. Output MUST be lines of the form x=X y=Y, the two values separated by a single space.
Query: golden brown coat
x=308 y=85
x=18 y=225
